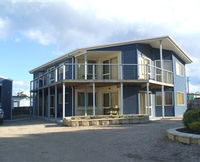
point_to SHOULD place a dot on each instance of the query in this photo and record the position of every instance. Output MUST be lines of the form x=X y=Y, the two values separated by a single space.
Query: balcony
x=102 y=72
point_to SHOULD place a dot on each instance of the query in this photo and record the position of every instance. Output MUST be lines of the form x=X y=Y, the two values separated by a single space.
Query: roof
x=168 y=44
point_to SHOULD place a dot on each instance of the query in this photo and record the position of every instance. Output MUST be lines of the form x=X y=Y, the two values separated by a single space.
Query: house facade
x=6 y=97
x=136 y=77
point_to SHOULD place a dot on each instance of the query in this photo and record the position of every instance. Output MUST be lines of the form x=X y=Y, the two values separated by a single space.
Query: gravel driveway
x=36 y=140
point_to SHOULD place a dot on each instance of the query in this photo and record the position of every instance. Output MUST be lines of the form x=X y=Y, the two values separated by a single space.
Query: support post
x=94 y=99
x=64 y=72
x=56 y=74
x=38 y=108
x=72 y=101
x=43 y=104
x=93 y=72
x=162 y=79
x=85 y=97
x=49 y=102
x=63 y=100
x=85 y=62
x=72 y=68
x=121 y=71
x=147 y=107
x=121 y=99
x=56 y=104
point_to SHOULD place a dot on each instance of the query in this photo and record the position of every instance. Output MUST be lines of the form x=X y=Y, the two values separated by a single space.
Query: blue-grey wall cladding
x=7 y=98
x=130 y=99
x=153 y=53
x=129 y=56
x=179 y=86
x=68 y=68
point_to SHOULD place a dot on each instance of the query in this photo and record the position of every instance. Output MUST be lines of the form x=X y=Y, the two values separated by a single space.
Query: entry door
x=144 y=109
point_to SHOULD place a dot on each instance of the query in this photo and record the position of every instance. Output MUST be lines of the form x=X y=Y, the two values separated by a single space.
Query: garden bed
x=183 y=137
x=185 y=130
x=97 y=120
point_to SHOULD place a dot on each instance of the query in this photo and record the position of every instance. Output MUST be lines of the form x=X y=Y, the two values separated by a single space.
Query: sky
x=33 y=32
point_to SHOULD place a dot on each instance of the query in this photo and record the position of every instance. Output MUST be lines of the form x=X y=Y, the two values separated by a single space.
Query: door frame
x=151 y=107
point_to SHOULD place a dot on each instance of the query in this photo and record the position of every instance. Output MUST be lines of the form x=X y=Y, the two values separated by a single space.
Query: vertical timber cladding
x=130 y=99
x=68 y=102
x=7 y=98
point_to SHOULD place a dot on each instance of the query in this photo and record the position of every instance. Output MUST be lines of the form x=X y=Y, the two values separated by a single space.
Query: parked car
x=1 y=116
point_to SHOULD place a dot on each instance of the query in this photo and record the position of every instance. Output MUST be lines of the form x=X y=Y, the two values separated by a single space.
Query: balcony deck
x=103 y=74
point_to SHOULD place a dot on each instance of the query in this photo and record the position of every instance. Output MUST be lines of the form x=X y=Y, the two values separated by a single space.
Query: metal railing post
x=93 y=72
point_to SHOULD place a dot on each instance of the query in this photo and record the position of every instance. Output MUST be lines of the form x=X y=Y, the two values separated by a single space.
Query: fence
x=21 y=112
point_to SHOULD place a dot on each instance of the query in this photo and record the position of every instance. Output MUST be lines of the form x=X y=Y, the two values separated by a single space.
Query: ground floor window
x=180 y=98
x=52 y=101
x=168 y=96
x=89 y=100
x=110 y=100
x=60 y=98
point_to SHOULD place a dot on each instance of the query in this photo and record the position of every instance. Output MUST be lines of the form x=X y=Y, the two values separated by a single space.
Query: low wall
x=186 y=138
x=76 y=121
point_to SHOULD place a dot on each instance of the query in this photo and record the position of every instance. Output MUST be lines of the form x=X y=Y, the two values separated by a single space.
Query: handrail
x=144 y=72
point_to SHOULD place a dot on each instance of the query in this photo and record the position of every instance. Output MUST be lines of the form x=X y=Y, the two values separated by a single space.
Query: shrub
x=195 y=126
x=191 y=120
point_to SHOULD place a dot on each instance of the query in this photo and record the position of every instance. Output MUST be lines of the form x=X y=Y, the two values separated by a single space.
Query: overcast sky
x=33 y=32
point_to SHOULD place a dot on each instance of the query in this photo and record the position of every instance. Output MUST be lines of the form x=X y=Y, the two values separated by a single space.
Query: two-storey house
x=135 y=77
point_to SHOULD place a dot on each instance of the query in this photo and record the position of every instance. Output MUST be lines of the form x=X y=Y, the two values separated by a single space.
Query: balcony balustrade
x=102 y=72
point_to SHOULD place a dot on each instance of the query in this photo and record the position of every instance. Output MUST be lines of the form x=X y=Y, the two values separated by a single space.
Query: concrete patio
x=36 y=140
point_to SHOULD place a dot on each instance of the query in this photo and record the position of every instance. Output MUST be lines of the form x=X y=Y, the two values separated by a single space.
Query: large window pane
x=106 y=100
x=52 y=99
x=158 y=98
x=90 y=99
x=81 y=99
x=180 y=69
x=168 y=98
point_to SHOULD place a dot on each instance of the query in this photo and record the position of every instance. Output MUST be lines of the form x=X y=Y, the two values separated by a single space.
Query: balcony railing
x=100 y=72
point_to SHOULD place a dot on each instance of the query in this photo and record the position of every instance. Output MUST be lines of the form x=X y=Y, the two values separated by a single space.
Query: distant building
x=192 y=96
x=21 y=101
x=6 y=97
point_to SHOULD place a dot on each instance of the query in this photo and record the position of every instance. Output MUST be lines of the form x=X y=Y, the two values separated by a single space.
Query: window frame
x=177 y=98
x=60 y=98
x=182 y=70
x=164 y=98
x=87 y=95
x=171 y=98
x=109 y=100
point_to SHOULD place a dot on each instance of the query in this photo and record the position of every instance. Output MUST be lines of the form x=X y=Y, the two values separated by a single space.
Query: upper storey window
x=180 y=70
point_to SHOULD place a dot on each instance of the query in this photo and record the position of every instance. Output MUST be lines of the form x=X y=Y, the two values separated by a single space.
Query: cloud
x=4 y=28
x=37 y=35
x=72 y=24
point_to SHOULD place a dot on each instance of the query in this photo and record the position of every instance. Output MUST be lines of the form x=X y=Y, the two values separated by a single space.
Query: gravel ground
x=35 y=140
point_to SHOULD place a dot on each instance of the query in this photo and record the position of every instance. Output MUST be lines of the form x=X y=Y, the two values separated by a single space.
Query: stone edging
x=105 y=121
x=186 y=138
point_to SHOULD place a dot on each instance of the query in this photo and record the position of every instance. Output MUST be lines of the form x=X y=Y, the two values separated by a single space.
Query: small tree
x=21 y=94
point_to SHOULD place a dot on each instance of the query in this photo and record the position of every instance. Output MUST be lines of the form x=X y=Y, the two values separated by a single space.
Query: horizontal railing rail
x=90 y=71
